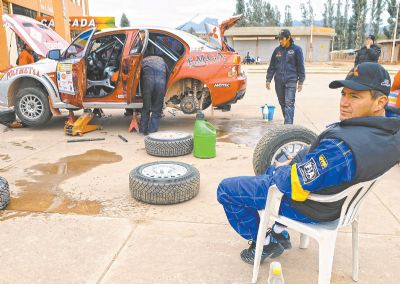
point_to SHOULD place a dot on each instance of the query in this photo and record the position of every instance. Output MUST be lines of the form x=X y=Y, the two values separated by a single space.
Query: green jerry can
x=204 y=138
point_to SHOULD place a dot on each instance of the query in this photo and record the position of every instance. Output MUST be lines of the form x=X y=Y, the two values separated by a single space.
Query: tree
x=241 y=10
x=307 y=13
x=124 y=21
x=288 y=20
x=339 y=26
x=377 y=7
x=392 y=10
x=328 y=14
x=358 y=21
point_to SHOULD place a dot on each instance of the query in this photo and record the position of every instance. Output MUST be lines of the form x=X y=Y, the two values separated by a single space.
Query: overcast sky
x=172 y=13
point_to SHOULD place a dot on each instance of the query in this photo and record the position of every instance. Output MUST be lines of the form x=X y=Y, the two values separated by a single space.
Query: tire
x=4 y=193
x=269 y=148
x=32 y=106
x=169 y=143
x=180 y=183
x=7 y=116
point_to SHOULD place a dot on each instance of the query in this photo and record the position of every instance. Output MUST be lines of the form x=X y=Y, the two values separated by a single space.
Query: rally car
x=101 y=69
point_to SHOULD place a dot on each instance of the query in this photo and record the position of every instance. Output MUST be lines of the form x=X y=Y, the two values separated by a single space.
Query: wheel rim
x=291 y=148
x=31 y=107
x=168 y=135
x=164 y=171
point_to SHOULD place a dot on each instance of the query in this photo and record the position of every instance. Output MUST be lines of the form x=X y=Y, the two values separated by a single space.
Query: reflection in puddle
x=43 y=193
x=242 y=131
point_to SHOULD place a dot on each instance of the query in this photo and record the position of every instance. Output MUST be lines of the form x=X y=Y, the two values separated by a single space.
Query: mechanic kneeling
x=153 y=83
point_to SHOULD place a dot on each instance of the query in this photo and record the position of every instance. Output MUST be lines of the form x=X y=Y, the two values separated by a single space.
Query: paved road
x=72 y=220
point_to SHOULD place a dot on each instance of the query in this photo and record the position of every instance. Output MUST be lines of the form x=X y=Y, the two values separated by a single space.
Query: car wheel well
x=21 y=83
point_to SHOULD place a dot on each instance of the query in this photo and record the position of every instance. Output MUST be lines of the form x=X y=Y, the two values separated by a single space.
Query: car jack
x=81 y=125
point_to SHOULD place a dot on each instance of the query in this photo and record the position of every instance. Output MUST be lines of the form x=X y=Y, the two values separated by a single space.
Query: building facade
x=260 y=41
x=59 y=10
x=386 y=51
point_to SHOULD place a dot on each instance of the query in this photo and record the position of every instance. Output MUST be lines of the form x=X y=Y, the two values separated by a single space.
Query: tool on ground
x=81 y=125
x=134 y=123
x=122 y=138
x=85 y=140
x=204 y=138
x=275 y=273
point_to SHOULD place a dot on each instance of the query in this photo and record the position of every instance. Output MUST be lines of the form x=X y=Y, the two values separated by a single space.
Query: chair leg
x=326 y=253
x=354 y=227
x=262 y=230
x=304 y=241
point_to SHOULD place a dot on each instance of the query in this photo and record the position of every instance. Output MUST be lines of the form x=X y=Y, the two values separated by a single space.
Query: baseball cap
x=365 y=76
x=283 y=33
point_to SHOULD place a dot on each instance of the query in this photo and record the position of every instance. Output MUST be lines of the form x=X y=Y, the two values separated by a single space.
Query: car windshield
x=77 y=47
x=203 y=42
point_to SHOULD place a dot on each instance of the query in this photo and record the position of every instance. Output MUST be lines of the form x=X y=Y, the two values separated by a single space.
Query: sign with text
x=81 y=23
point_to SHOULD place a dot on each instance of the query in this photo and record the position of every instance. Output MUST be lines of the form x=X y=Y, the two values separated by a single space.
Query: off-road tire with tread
x=7 y=116
x=4 y=193
x=38 y=93
x=168 y=144
x=155 y=190
x=275 y=138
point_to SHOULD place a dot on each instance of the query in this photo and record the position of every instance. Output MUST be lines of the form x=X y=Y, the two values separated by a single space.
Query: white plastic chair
x=325 y=233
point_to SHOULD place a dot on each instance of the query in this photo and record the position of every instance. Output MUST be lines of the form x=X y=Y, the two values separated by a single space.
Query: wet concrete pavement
x=71 y=218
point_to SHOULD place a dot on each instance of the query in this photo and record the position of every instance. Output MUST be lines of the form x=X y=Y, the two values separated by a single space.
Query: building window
x=23 y=11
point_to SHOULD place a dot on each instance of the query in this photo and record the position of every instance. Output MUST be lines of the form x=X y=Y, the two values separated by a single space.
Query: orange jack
x=81 y=125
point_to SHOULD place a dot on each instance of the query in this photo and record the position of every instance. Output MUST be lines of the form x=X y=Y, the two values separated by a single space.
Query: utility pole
x=395 y=33
x=310 y=53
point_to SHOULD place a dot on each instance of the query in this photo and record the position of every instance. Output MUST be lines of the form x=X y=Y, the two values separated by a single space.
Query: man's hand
x=299 y=87
x=268 y=85
x=285 y=163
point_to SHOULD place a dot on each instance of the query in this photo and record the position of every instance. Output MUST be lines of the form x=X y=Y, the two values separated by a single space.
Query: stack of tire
x=4 y=193
x=165 y=182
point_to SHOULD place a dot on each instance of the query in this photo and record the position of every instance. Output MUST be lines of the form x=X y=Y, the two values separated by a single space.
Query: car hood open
x=38 y=36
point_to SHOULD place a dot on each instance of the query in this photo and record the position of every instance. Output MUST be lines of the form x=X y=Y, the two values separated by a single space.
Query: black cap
x=365 y=76
x=283 y=33
x=372 y=37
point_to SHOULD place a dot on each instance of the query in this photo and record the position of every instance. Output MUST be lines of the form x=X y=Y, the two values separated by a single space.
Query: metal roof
x=272 y=31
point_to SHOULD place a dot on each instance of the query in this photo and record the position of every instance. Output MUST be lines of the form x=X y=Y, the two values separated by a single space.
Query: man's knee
x=224 y=190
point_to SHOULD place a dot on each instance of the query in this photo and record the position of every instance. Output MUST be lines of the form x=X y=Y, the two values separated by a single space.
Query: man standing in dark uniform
x=287 y=66
x=153 y=80
x=368 y=53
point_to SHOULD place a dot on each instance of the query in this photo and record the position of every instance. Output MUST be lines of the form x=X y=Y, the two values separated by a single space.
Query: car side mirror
x=54 y=54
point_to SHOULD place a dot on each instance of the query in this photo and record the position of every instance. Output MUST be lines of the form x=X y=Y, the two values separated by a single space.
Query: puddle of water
x=244 y=131
x=43 y=193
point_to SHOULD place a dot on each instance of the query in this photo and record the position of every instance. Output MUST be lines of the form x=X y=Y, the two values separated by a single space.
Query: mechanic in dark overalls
x=361 y=147
x=153 y=83
x=287 y=66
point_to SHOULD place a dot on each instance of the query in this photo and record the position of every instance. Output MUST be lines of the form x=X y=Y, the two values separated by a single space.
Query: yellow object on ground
x=81 y=125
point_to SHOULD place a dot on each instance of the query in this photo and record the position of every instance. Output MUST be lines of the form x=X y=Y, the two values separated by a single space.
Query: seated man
x=361 y=147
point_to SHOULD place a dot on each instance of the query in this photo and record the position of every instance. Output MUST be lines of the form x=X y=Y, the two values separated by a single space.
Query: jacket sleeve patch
x=309 y=171
x=298 y=193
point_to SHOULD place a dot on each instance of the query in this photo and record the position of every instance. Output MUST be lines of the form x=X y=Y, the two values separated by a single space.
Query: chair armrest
x=328 y=198
x=274 y=197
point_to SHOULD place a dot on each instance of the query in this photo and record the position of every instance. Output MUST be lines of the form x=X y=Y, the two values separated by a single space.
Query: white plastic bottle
x=275 y=273
x=265 y=112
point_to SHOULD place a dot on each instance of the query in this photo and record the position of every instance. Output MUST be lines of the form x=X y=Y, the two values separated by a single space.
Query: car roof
x=195 y=43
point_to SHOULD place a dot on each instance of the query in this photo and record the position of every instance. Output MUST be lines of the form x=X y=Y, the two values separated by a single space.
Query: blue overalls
x=287 y=68
x=330 y=163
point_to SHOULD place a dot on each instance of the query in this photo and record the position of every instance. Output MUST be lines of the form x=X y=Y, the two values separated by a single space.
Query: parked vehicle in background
x=101 y=69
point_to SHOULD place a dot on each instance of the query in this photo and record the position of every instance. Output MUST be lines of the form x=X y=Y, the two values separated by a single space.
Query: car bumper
x=237 y=90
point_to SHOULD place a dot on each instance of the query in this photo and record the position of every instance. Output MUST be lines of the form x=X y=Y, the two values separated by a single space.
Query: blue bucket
x=271 y=111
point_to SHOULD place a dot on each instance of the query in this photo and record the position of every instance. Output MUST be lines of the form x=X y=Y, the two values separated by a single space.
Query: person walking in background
x=287 y=67
x=368 y=53
x=154 y=81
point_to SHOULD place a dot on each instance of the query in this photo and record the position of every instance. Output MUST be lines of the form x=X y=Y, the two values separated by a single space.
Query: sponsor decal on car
x=23 y=70
x=205 y=59
x=222 y=85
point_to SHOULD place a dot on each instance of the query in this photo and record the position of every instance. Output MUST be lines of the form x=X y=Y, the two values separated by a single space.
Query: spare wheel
x=164 y=182
x=4 y=193
x=278 y=143
x=168 y=143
